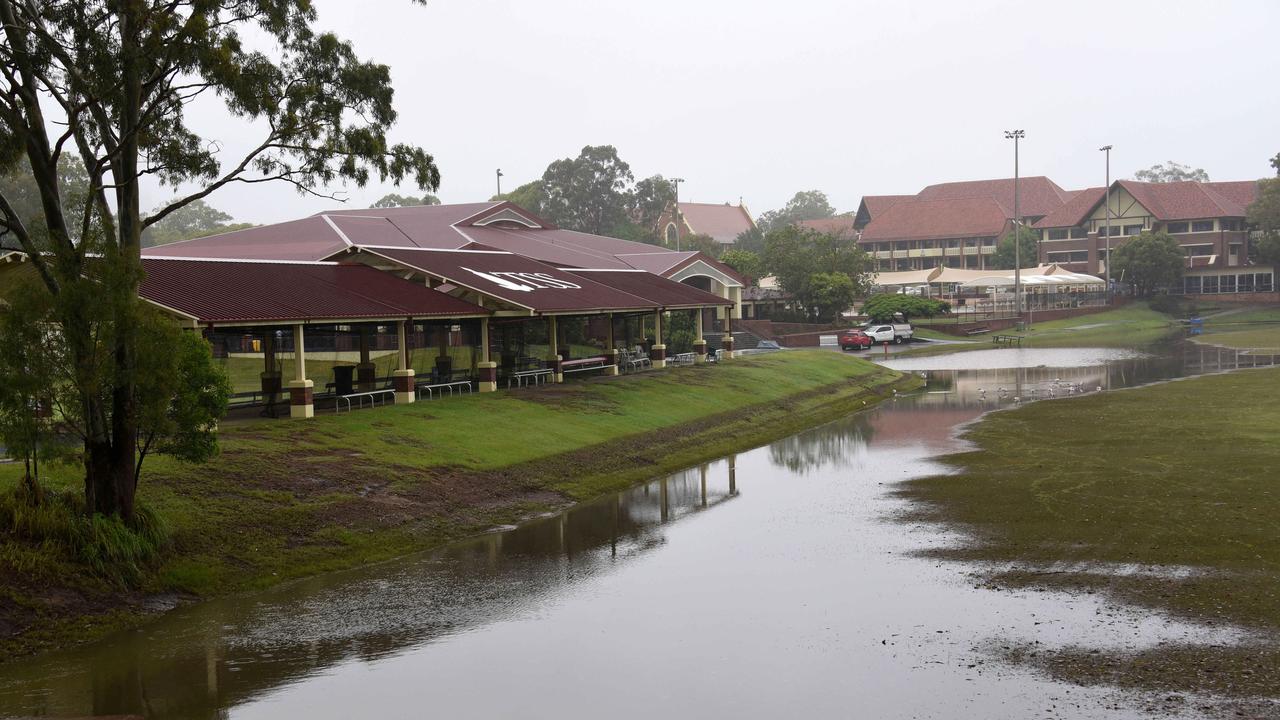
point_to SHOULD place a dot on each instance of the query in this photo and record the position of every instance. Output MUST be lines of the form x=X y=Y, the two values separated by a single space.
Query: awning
x=512 y=279
x=231 y=292
x=669 y=294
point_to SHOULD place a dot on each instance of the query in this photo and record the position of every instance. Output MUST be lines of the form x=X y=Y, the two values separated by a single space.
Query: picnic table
x=582 y=365
x=686 y=358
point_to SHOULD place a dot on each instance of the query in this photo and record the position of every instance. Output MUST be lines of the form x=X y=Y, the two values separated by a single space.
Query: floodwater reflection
x=686 y=596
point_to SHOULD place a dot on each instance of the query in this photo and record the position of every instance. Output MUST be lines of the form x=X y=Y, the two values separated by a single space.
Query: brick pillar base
x=302 y=402
x=487 y=376
x=366 y=376
x=727 y=344
x=402 y=383
x=658 y=356
x=699 y=351
x=611 y=362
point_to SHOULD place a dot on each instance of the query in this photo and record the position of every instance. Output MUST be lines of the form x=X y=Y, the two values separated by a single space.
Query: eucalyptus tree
x=110 y=83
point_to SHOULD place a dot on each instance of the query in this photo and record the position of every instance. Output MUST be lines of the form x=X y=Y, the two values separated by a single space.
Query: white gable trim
x=700 y=267
x=507 y=215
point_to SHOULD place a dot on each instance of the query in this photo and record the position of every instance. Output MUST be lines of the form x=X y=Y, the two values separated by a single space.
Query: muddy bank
x=268 y=512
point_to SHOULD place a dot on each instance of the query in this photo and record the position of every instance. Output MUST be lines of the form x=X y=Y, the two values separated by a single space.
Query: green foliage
x=1149 y=261
x=882 y=307
x=589 y=193
x=750 y=240
x=1171 y=172
x=19 y=188
x=392 y=200
x=650 y=198
x=1167 y=304
x=1264 y=214
x=1028 y=249
x=109 y=547
x=798 y=256
x=830 y=294
x=28 y=371
x=529 y=196
x=194 y=220
x=109 y=84
x=804 y=205
x=679 y=332
x=744 y=261
x=184 y=393
x=701 y=243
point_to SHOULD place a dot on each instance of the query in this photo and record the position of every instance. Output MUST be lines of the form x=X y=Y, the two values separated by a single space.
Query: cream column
x=610 y=351
x=402 y=377
x=658 y=353
x=302 y=402
x=553 y=350
x=486 y=371
x=699 y=342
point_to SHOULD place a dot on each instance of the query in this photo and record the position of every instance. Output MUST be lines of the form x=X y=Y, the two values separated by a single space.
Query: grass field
x=1177 y=478
x=292 y=498
x=1254 y=328
x=1133 y=325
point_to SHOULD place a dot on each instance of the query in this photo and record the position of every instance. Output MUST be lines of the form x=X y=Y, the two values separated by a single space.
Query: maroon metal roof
x=515 y=279
x=231 y=292
x=667 y=293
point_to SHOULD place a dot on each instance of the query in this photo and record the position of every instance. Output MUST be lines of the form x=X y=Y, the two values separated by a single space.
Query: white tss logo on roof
x=523 y=281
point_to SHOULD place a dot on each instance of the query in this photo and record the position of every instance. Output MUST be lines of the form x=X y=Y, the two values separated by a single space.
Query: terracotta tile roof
x=837 y=225
x=1038 y=195
x=933 y=219
x=1078 y=208
x=872 y=206
x=1182 y=200
x=1241 y=192
x=239 y=292
x=722 y=222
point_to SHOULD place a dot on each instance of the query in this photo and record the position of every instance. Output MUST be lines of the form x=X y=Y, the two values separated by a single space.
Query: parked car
x=854 y=340
x=889 y=332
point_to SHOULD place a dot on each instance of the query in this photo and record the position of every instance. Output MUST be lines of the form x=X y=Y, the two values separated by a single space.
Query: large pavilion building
x=388 y=304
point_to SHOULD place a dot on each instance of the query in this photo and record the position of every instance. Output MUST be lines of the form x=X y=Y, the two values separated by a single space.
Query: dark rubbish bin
x=343 y=376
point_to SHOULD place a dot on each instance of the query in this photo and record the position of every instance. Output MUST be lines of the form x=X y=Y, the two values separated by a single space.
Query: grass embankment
x=1256 y=329
x=1177 y=480
x=287 y=499
x=1133 y=325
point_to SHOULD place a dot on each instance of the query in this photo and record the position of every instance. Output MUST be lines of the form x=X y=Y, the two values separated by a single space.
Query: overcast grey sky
x=761 y=99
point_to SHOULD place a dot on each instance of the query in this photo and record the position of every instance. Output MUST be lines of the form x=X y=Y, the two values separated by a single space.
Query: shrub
x=111 y=548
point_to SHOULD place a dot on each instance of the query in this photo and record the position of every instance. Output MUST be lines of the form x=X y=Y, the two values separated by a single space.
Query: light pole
x=676 y=182
x=1107 y=149
x=1016 y=135
x=499 y=171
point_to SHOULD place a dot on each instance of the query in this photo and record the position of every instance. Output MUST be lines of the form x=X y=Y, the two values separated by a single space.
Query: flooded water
x=775 y=582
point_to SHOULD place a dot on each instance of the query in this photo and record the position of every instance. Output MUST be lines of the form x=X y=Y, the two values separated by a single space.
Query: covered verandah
x=299 y=322
x=549 y=322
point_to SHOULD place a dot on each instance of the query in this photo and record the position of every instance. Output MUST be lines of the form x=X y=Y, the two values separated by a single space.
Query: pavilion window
x=1177 y=227
x=1210 y=285
x=1202 y=226
x=1244 y=283
x=1133 y=229
x=1193 y=284
x=1264 y=283
x=1227 y=284
x=1079 y=233
x=1058 y=234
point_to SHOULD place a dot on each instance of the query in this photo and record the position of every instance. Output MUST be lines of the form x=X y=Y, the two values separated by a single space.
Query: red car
x=854 y=340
